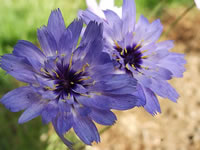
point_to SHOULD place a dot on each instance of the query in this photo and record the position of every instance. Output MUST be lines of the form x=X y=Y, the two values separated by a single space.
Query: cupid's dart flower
x=135 y=49
x=68 y=85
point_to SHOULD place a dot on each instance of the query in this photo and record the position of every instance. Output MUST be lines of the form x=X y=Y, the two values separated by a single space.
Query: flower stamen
x=44 y=71
x=55 y=73
x=82 y=69
x=82 y=79
x=70 y=62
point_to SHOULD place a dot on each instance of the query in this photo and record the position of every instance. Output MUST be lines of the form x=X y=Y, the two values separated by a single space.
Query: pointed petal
x=49 y=112
x=139 y=92
x=93 y=31
x=99 y=102
x=70 y=37
x=19 y=99
x=104 y=117
x=111 y=101
x=83 y=111
x=140 y=29
x=64 y=122
x=56 y=24
x=94 y=50
x=115 y=24
x=28 y=50
x=91 y=44
x=154 y=31
x=128 y=16
x=89 y=15
x=158 y=72
x=86 y=130
x=175 y=63
x=152 y=105
x=118 y=81
x=47 y=41
x=164 y=89
x=31 y=112
x=33 y=54
x=65 y=141
x=18 y=67
x=125 y=101
x=168 y=44
x=103 y=59
x=99 y=71
x=147 y=32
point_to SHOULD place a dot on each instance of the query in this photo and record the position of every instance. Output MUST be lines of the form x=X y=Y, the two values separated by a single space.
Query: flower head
x=136 y=52
x=68 y=85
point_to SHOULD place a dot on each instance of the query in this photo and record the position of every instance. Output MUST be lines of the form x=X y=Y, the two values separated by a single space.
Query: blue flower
x=136 y=52
x=68 y=85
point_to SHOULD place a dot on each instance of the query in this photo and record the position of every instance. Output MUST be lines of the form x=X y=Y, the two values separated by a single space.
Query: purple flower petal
x=128 y=16
x=88 y=16
x=56 y=24
x=115 y=23
x=175 y=63
x=33 y=54
x=64 y=122
x=164 y=89
x=86 y=130
x=104 y=117
x=47 y=41
x=18 y=67
x=28 y=50
x=152 y=105
x=69 y=38
x=19 y=99
x=31 y=112
x=65 y=141
x=49 y=112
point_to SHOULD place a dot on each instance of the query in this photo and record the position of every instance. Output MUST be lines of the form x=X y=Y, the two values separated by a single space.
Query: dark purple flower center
x=131 y=55
x=65 y=80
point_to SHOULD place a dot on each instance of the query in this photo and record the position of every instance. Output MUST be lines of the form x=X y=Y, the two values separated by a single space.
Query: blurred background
x=177 y=128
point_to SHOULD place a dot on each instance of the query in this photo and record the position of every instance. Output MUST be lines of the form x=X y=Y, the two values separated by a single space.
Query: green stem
x=178 y=19
x=104 y=129
x=157 y=9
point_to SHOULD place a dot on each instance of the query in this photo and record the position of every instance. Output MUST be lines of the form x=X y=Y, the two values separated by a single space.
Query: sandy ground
x=178 y=127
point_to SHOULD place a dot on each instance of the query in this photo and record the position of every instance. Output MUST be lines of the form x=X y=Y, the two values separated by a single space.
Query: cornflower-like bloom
x=135 y=51
x=68 y=85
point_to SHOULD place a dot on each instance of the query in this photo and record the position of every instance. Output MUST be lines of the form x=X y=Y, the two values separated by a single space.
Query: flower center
x=130 y=55
x=65 y=80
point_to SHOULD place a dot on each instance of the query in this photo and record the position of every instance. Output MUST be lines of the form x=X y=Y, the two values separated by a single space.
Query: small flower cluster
x=77 y=79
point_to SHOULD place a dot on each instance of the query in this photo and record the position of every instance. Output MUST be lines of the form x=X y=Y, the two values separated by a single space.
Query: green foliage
x=20 y=137
x=151 y=7
x=19 y=19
